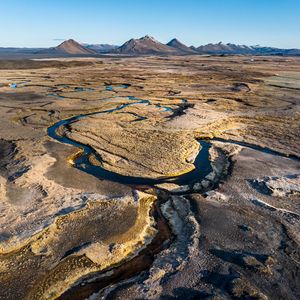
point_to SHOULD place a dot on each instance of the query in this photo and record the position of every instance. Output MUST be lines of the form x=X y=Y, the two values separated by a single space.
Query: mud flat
x=229 y=230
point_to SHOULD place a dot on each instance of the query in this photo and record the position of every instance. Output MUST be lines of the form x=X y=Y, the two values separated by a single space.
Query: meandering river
x=201 y=163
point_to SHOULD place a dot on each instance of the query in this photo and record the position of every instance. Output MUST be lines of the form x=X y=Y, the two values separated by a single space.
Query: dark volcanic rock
x=174 y=43
x=241 y=87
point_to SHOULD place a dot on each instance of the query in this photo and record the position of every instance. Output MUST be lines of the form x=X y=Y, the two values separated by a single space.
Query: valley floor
x=150 y=178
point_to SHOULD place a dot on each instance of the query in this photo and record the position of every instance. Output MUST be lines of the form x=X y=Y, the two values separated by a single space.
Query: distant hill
x=14 y=52
x=19 y=50
x=68 y=47
x=259 y=50
x=145 y=45
x=180 y=47
x=194 y=48
x=221 y=48
x=101 y=48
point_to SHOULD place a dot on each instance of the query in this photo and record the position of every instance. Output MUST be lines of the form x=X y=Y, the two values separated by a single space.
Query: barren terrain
x=171 y=177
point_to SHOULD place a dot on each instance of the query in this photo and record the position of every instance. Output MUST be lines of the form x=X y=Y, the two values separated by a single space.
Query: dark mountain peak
x=69 y=41
x=147 y=37
x=175 y=43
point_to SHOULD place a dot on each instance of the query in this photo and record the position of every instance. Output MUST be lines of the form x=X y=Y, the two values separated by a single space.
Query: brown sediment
x=131 y=268
x=143 y=149
x=228 y=216
x=39 y=64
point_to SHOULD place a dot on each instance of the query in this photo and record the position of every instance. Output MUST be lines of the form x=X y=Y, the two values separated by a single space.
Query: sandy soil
x=234 y=234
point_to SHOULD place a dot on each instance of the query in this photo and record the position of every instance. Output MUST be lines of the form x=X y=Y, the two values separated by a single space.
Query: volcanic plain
x=159 y=177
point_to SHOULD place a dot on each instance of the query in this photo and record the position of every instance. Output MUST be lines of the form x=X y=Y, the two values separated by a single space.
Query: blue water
x=120 y=86
x=109 y=88
x=81 y=89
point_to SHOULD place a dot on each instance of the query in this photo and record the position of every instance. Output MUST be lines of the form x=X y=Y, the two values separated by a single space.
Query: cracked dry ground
x=232 y=235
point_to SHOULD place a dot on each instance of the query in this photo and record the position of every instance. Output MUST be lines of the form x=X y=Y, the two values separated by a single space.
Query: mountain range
x=148 y=45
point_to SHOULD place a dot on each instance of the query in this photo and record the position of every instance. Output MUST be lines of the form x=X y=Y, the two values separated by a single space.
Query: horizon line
x=147 y=35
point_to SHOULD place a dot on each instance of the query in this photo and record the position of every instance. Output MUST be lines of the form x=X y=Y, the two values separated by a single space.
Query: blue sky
x=42 y=23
